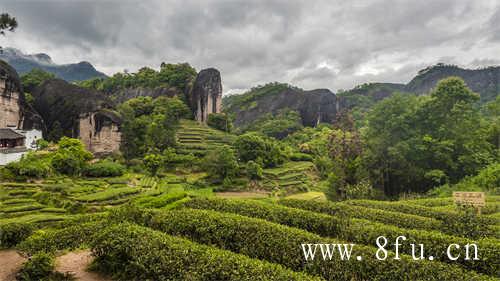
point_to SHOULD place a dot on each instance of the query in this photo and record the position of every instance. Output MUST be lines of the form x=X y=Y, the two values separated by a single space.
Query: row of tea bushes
x=366 y=232
x=131 y=252
x=357 y=231
x=280 y=244
x=321 y=224
x=414 y=209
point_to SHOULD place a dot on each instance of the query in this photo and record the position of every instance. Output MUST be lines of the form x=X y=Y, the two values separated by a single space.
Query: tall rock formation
x=206 y=95
x=15 y=111
x=79 y=113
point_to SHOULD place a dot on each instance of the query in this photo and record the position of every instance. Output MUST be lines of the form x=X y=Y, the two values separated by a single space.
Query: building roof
x=9 y=134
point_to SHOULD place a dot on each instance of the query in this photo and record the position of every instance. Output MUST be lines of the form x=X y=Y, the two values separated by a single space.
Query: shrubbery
x=31 y=165
x=104 y=168
x=252 y=146
x=314 y=222
x=131 y=252
x=254 y=170
x=220 y=121
x=39 y=267
x=366 y=232
x=13 y=233
x=70 y=157
x=221 y=163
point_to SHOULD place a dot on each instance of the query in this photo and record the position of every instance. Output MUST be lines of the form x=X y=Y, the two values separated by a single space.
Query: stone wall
x=99 y=137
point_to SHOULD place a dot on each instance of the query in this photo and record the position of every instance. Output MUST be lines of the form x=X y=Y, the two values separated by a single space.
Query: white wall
x=6 y=158
x=31 y=137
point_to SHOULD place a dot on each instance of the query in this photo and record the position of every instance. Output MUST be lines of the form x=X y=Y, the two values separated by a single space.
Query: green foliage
x=233 y=103
x=366 y=231
x=71 y=157
x=221 y=163
x=150 y=125
x=254 y=147
x=220 y=121
x=34 y=78
x=161 y=200
x=31 y=165
x=179 y=76
x=13 y=233
x=414 y=144
x=313 y=222
x=7 y=23
x=254 y=170
x=467 y=224
x=131 y=252
x=153 y=163
x=39 y=267
x=277 y=126
x=42 y=144
x=108 y=194
x=104 y=168
x=278 y=244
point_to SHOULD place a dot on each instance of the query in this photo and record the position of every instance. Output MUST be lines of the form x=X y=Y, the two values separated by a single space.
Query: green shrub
x=71 y=156
x=104 y=168
x=394 y=218
x=276 y=243
x=73 y=236
x=220 y=121
x=409 y=207
x=254 y=170
x=366 y=232
x=108 y=194
x=161 y=200
x=252 y=146
x=38 y=267
x=221 y=163
x=467 y=224
x=301 y=157
x=313 y=222
x=30 y=166
x=13 y=233
x=131 y=252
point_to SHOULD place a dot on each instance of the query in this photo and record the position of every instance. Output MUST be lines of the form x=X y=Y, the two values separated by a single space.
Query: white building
x=15 y=143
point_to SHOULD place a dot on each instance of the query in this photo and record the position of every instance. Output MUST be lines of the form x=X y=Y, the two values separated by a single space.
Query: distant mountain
x=484 y=81
x=70 y=72
x=314 y=106
x=322 y=105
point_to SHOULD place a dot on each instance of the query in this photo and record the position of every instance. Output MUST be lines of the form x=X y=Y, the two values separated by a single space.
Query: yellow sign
x=476 y=199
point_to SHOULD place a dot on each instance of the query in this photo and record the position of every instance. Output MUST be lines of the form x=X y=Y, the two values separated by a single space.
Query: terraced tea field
x=173 y=232
x=195 y=138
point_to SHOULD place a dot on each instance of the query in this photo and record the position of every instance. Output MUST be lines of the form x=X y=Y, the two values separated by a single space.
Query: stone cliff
x=16 y=112
x=206 y=95
x=80 y=113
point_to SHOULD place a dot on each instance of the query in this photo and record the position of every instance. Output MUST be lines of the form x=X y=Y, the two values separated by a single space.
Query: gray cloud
x=313 y=44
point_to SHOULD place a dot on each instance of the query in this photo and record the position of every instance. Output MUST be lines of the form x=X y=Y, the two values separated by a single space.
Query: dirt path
x=11 y=263
x=243 y=194
x=77 y=263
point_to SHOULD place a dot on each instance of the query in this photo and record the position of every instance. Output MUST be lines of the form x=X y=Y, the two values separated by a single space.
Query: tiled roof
x=9 y=134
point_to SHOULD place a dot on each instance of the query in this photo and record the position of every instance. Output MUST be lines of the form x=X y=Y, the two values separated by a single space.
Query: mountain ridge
x=71 y=72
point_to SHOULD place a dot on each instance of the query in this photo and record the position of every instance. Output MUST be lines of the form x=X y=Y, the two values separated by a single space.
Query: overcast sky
x=312 y=44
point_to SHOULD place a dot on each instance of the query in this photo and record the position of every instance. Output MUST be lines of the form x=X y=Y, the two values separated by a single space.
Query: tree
x=7 y=23
x=35 y=78
x=221 y=163
x=220 y=121
x=71 y=156
x=153 y=163
x=252 y=146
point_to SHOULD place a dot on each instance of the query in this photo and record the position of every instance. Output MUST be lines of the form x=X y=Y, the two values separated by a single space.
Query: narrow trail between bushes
x=10 y=264
x=77 y=264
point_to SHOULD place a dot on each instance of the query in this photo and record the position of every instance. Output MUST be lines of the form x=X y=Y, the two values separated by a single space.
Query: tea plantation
x=145 y=228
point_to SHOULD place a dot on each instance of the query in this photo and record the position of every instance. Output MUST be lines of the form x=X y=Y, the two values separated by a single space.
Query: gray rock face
x=59 y=101
x=485 y=82
x=206 y=95
x=314 y=106
x=16 y=112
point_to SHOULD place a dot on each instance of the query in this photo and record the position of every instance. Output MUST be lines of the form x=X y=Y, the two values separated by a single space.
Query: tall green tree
x=7 y=23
